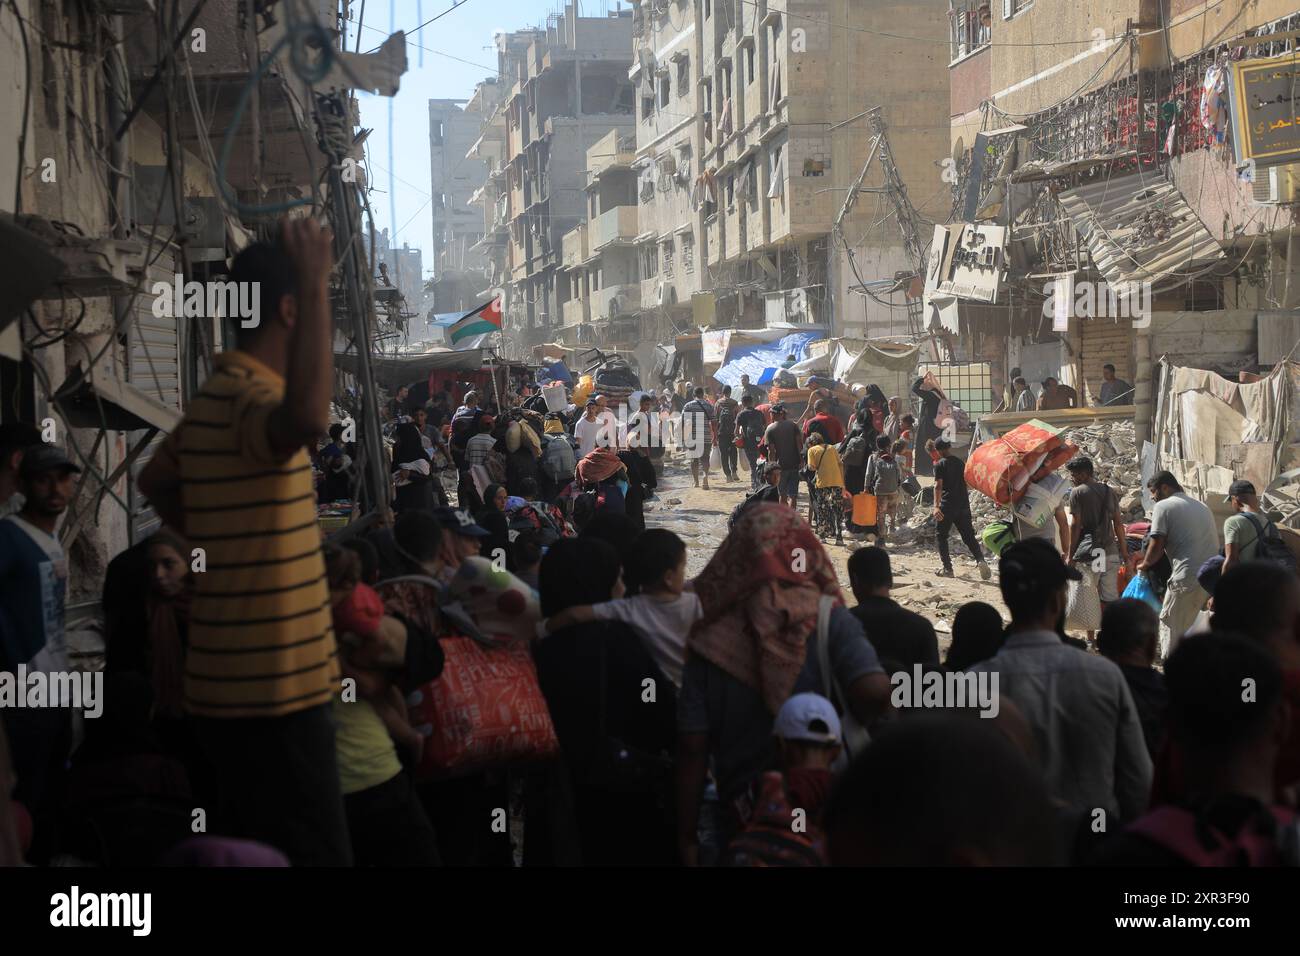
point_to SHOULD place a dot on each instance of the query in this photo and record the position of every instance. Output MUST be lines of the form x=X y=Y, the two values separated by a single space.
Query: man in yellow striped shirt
x=261 y=664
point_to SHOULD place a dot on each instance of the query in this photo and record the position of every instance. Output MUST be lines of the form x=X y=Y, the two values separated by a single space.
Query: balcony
x=574 y=312
x=616 y=300
x=614 y=225
x=616 y=150
x=573 y=247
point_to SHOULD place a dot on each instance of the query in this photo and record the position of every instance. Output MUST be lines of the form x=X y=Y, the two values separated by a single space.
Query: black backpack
x=889 y=478
x=1271 y=547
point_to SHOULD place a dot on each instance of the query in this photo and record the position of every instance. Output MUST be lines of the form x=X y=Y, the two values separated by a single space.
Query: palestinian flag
x=486 y=318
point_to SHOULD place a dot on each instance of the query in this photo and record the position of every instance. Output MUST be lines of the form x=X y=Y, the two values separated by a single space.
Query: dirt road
x=700 y=518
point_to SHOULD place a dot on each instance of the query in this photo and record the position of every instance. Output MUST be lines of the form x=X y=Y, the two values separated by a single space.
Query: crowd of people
x=527 y=675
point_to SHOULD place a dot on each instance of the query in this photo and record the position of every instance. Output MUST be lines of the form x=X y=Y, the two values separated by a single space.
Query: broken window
x=731 y=193
x=649 y=262
x=751 y=70
x=683 y=76
x=668 y=259
x=688 y=253
x=664 y=91
x=647 y=107
x=708 y=9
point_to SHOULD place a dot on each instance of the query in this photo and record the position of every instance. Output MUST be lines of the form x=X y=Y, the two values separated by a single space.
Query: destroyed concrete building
x=460 y=265
x=751 y=132
x=564 y=88
x=1113 y=202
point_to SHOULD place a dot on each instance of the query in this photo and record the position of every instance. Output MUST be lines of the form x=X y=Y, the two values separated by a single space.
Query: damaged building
x=563 y=88
x=1115 y=202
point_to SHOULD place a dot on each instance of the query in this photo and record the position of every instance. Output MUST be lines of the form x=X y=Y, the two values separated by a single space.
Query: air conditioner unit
x=667 y=162
x=1276 y=185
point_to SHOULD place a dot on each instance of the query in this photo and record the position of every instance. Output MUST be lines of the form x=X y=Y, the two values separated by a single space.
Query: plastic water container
x=1040 y=500
x=554 y=396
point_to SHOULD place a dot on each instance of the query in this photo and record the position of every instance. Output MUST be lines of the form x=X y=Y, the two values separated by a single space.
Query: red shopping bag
x=485 y=710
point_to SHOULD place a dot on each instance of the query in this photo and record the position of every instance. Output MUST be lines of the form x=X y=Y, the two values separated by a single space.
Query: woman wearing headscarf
x=641 y=483
x=593 y=677
x=411 y=470
x=602 y=471
x=928 y=390
x=493 y=519
x=894 y=420
x=855 y=450
x=755 y=646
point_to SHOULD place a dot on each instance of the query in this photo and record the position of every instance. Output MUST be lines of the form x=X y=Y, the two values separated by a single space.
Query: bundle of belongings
x=1004 y=468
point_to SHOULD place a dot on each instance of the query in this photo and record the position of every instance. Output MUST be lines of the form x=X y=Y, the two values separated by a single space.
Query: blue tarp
x=761 y=362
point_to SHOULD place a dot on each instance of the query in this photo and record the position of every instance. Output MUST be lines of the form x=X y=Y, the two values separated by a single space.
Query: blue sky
x=458 y=52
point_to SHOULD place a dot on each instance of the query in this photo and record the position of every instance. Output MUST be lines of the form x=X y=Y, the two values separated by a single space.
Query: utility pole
x=355 y=276
x=895 y=190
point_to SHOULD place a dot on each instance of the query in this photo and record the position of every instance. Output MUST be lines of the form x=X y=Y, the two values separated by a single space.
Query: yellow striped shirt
x=260 y=637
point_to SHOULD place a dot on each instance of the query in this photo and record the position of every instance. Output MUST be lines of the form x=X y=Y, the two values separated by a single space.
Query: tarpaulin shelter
x=1211 y=430
x=762 y=361
x=860 y=363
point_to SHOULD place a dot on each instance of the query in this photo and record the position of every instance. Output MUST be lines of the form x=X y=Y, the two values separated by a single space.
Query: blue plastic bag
x=1141 y=589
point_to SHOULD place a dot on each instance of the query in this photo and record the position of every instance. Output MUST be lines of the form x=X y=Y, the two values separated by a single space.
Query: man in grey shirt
x=1077 y=704
x=1114 y=391
x=1184 y=529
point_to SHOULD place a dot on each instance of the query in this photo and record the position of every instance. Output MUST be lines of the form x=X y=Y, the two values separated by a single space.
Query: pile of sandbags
x=1003 y=468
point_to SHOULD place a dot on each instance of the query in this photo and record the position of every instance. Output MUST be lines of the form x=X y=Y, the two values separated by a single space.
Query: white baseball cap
x=808 y=717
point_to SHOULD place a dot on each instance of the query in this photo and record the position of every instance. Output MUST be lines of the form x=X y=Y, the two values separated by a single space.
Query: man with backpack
x=727 y=408
x=1248 y=534
x=885 y=481
x=750 y=425
x=558 y=458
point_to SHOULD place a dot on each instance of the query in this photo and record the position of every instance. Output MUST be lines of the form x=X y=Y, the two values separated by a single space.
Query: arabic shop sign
x=1265 y=104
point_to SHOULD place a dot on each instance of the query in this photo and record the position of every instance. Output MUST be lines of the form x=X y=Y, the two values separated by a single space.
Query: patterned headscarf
x=500 y=605
x=598 y=465
x=760 y=595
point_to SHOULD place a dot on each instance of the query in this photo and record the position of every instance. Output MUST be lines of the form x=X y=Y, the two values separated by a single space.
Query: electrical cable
x=27 y=107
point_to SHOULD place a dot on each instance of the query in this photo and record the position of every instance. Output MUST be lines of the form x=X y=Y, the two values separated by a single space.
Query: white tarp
x=1210 y=430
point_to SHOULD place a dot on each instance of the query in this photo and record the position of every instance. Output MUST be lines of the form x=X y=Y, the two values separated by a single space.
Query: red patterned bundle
x=1004 y=467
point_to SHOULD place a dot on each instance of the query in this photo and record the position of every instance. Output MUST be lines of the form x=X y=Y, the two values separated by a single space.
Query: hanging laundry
x=1214 y=103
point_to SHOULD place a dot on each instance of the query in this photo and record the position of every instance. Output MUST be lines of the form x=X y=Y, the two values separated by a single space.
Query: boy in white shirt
x=662 y=612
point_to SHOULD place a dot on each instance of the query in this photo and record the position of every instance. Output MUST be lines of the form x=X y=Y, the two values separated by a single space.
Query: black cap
x=1238 y=488
x=459 y=521
x=1034 y=565
x=45 y=458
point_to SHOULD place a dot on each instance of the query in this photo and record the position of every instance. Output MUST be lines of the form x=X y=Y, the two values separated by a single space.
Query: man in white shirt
x=595 y=429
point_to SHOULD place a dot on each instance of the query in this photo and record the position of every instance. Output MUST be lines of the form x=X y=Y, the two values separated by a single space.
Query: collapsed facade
x=564 y=88
x=1112 y=202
